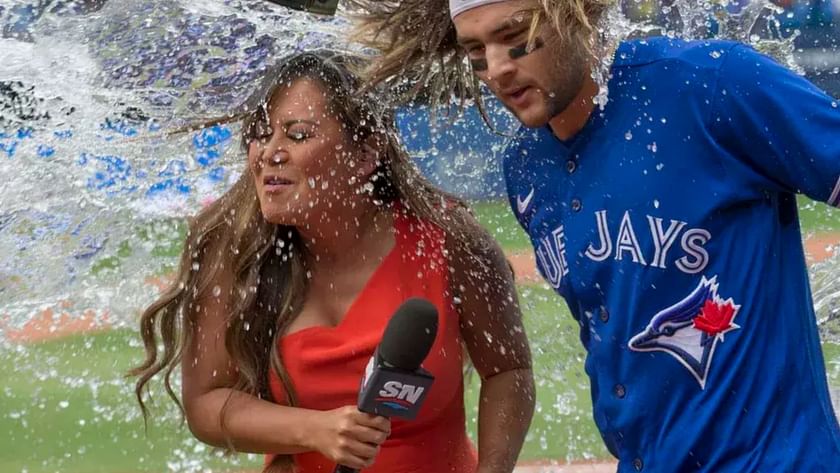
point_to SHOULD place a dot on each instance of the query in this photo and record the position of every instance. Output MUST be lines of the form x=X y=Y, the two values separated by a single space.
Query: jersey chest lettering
x=621 y=243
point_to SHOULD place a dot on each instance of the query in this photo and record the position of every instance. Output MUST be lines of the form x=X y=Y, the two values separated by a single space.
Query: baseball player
x=666 y=217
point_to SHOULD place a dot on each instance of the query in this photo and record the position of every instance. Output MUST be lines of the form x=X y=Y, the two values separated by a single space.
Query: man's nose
x=500 y=66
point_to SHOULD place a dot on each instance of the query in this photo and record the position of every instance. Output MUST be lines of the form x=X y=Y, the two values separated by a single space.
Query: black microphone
x=321 y=7
x=394 y=384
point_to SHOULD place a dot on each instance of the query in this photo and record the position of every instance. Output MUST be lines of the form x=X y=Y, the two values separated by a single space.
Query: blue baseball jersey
x=669 y=224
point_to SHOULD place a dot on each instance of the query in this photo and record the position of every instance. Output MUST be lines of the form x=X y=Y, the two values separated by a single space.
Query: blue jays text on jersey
x=669 y=225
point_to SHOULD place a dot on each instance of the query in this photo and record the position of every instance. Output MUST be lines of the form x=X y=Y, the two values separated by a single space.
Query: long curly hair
x=266 y=261
x=420 y=55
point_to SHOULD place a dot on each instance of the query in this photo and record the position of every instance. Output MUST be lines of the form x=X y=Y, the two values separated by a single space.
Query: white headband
x=456 y=7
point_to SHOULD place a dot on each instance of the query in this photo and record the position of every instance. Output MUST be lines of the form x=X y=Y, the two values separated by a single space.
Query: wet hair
x=418 y=43
x=266 y=261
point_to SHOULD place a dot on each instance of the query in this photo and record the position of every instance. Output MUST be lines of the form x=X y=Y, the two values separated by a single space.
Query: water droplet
x=660 y=166
x=628 y=136
x=311 y=181
x=715 y=54
x=63 y=404
x=217 y=291
x=655 y=204
x=834 y=104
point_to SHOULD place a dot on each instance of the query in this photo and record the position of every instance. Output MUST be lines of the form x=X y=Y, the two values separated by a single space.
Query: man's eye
x=512 y=36
x=475 y=51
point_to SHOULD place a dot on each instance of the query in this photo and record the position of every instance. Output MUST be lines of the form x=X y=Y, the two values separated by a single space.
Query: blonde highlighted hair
x=420 y=55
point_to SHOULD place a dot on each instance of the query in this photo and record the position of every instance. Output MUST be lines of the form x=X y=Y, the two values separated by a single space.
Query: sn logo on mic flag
x=392 y=392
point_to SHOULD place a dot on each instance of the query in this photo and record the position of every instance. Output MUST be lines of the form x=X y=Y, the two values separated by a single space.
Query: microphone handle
x=344 y=469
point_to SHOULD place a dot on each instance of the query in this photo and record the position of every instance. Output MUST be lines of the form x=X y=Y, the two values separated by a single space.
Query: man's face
x=536 y=83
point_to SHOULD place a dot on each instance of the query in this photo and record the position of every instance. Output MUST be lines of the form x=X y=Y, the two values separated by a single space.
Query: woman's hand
x=349 y=437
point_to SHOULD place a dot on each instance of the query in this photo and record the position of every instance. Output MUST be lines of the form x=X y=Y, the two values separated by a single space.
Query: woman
x=287 y=282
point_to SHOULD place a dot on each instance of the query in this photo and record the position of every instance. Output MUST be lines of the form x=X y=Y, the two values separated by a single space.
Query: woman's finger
x=369 y=435
x=380 y=423
x=363 y=450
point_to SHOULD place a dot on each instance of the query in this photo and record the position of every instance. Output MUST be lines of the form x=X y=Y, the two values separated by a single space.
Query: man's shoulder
x=678 y=53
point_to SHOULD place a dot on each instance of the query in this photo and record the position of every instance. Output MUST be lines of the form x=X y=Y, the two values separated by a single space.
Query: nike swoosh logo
x=523 y=204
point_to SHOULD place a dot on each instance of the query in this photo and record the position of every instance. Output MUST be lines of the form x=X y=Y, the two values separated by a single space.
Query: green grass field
x=65 y=406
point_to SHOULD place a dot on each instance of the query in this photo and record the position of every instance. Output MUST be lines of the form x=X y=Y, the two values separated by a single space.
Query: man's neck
x=571 y=120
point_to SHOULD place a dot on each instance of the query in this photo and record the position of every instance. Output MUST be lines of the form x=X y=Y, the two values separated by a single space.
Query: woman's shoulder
x=465 y=244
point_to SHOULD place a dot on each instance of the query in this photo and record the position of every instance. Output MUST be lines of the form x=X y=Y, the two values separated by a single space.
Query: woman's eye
x=297 y=135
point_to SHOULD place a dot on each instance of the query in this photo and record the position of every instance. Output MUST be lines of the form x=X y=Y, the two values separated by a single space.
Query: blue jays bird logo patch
x=691 y=329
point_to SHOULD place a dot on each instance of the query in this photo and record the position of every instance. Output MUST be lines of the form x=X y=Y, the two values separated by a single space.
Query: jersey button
x=576 y=205
x=571 y=166
x=620 y=391
x=604 y=315
x=638 y=464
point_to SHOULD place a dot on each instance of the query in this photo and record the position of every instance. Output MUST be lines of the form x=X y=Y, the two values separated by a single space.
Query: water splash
x=93 y=194
x=753 y=22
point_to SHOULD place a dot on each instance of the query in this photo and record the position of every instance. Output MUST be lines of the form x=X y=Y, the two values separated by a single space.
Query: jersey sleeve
x=778 y=124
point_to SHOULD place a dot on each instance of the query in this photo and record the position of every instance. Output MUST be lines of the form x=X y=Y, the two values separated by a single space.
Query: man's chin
x=532 y=118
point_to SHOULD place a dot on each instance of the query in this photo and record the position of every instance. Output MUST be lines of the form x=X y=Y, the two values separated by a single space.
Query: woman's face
x=309 y=170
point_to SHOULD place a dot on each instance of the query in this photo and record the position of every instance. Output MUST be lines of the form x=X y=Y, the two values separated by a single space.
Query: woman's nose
x=273 y=153
x=275 y=157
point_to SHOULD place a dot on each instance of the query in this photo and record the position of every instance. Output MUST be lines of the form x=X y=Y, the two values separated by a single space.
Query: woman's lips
x=275 y=184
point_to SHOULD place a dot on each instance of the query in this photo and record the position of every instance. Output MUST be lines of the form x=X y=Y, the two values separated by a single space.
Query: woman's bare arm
x=491 y=325
x=254 y=425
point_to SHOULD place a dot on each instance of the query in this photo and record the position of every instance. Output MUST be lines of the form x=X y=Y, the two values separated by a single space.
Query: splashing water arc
x=94 y=194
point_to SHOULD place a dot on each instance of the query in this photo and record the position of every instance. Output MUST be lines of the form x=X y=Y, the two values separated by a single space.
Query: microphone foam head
x=410 y=334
